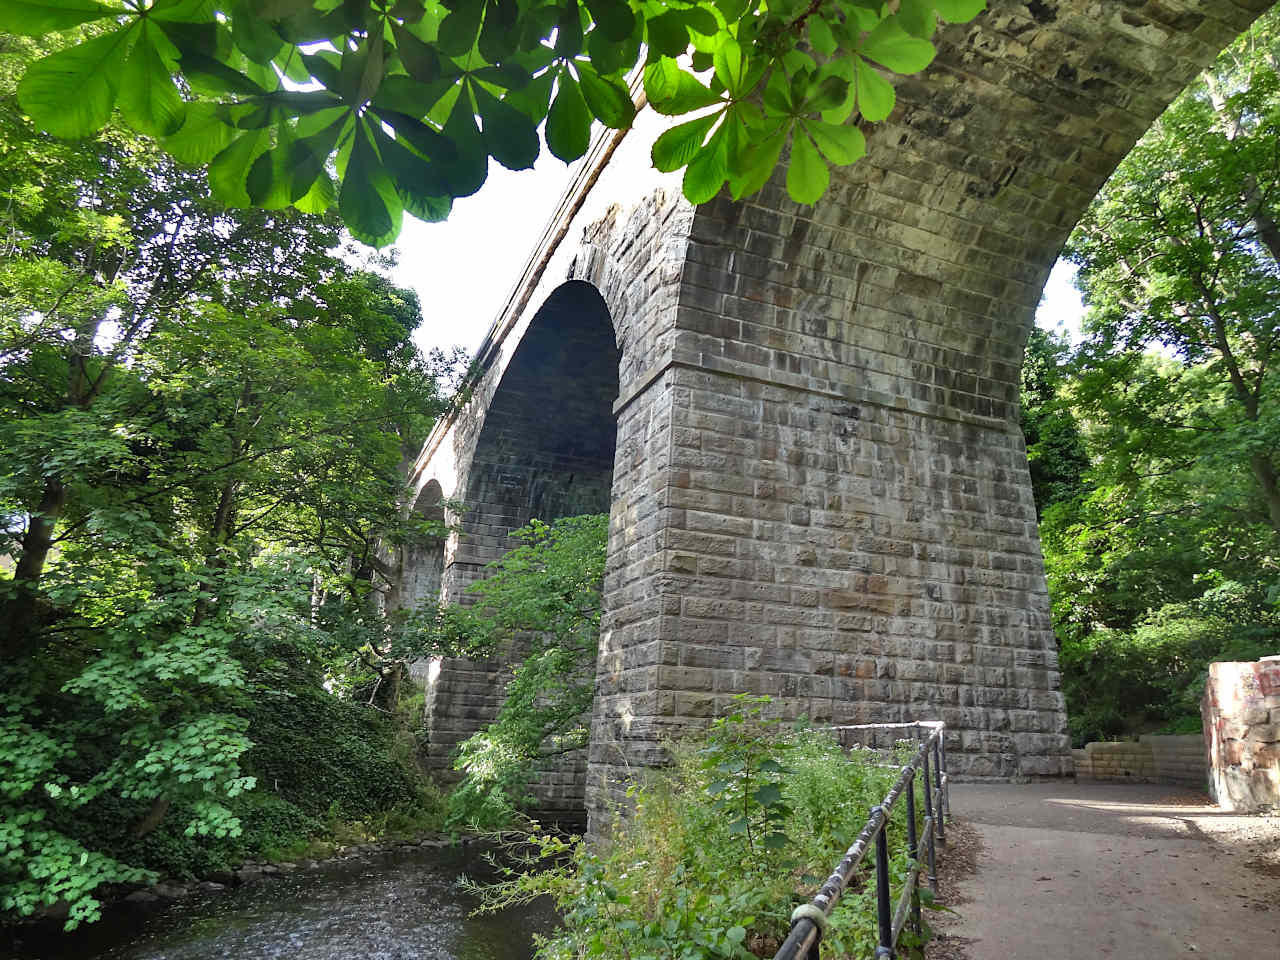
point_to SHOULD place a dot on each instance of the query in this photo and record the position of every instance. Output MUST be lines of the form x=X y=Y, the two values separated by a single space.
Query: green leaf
x=614 y=18
x=690 y=95
x=959 y=11
x=840 y=143
x=825 y=93
x=367 y=201
x=419 y=183
x=846 y=69
x=677 y=146
x=459 y=29
x=700 y=21
x=776 y=841
x=708 y=171
x=768 y=795
x=736 y=934
x=71 y=93
x=509 y=136
x=414 y=99
x=210 y=75
x=255 y=37
x=498 y=35
x=569 y=32
x=568 y=129
x=820 y=36
x=891 y=46
x=876 y=96
x=309 y=155
x=229 y=170
x=424 y=138
x=420 y=59
x=758 y=165
x=183 y=11
x=201 y=138
x=807 y=175
x=269 y=181
x=326 y=67
x=35 y=18
x=534 y=99
x=148 y=97
x=661 y=79
x=917 y=18
x=320 y=197
x=667 y=33
x=361 y=72
x=606 y=97
x=730 y=66
x=777 y=94
x=466 y=171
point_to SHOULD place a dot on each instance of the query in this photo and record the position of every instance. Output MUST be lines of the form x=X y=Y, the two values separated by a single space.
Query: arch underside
x=545 y=451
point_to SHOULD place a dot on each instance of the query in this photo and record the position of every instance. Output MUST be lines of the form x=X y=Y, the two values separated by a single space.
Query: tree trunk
x=1265 y=471
x=218 y=536
x=20 y=615
x=153 y=817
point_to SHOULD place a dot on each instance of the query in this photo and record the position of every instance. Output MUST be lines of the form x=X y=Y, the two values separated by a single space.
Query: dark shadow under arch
x=546 y=449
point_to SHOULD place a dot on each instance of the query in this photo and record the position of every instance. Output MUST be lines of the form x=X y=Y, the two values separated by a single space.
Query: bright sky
x=463 y=269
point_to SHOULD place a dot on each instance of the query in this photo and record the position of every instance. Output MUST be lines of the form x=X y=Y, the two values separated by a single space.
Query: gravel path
x=1061 y=870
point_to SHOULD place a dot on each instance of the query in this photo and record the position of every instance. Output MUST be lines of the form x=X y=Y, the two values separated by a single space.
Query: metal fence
x=809 y=920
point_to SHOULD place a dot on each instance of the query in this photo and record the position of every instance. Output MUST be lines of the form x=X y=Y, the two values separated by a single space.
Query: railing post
x=928 y=786
x=937 y=779
x=946 y=793
x=933 y=826
x=913 y=851
x=884 y=914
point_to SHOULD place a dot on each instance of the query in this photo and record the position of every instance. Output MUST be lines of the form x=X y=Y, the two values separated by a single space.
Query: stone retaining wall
x=1152 y=759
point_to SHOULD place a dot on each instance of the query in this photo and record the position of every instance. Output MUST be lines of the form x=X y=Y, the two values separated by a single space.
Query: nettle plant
x=391 y=106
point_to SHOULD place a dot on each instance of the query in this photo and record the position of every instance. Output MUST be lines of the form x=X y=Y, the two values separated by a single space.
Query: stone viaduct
x=803 y=421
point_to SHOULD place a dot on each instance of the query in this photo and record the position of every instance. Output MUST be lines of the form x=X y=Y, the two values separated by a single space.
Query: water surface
x=396 y=905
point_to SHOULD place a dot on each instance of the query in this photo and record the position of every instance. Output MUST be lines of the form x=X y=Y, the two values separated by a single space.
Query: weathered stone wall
x=1241 y=714
x=846 y=522
x=538 y=436
x=819 y=488
x=1150 y=759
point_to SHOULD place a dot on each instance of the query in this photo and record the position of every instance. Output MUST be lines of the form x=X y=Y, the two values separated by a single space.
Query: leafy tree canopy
x=1154 y=447
x=390 y=106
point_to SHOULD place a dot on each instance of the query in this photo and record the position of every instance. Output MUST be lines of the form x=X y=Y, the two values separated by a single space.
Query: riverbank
x=374 y=901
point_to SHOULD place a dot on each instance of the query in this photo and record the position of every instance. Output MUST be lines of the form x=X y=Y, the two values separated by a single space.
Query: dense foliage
x=1154 y=446
x=541 y=604
x=745 y=825
x=203 y=415
x=386 y=107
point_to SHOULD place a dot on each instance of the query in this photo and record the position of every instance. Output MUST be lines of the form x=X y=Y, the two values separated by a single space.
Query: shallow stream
x=401 y=904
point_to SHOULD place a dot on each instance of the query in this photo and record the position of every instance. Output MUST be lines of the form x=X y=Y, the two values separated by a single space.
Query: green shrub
x=746 y=824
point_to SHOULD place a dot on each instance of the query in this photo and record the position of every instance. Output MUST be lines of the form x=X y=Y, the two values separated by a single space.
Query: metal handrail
x=809 y=921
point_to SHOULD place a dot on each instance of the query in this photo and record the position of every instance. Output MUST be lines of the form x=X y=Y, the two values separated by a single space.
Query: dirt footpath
x=1138 y=871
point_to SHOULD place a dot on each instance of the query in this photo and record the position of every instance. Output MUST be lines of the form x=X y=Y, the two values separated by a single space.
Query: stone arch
x=422 y=560
x=545 y=450
x=819 y=488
